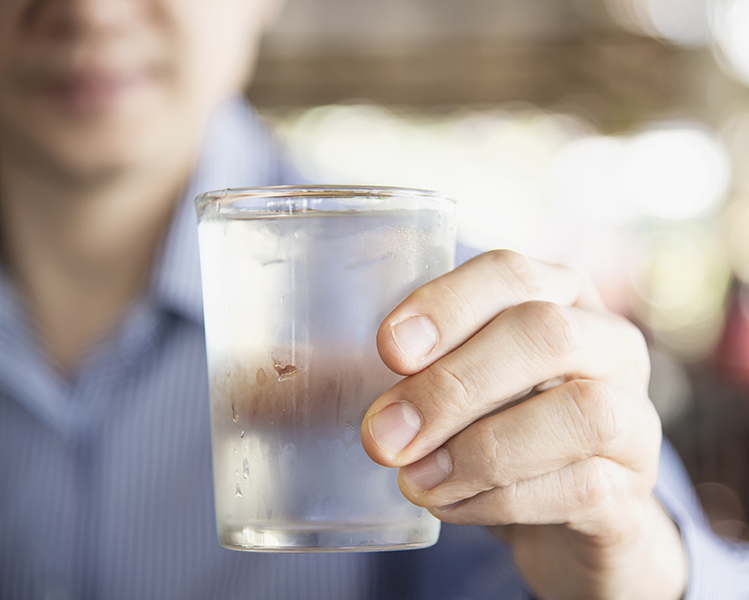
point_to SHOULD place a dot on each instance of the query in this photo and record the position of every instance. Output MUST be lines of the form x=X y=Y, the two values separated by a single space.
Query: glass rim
x=318 y=191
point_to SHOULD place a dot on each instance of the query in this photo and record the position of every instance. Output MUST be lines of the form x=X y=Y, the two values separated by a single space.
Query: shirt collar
x=237 y=151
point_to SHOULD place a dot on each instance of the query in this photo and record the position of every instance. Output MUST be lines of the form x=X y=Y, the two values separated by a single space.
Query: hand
x=526 y=409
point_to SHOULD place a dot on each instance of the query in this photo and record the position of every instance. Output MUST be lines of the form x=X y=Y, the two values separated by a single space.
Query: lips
x=92 y=89
x=87 y=78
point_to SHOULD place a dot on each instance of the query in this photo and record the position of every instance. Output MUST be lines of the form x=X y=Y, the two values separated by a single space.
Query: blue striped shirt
x=105 y=477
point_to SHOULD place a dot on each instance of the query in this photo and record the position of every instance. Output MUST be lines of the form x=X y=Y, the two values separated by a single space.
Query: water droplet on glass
x=242 y=434
x=238 y=492
x=235 y=451
x=285 y=372
x=261 y=377
x=236 y=473
x=355 y=452
x=245 y=468
x=234 y=413
x=349 y=433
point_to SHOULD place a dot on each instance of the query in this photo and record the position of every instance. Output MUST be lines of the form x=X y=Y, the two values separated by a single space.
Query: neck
x=80 y=248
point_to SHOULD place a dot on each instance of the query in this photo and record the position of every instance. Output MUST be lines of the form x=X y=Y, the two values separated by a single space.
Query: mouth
x=83 y=79
x=94 y=89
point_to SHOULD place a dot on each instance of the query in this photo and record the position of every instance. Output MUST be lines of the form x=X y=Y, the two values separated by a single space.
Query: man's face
x=90 y=86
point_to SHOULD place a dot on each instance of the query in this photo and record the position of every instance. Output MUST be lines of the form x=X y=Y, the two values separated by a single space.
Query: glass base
x=331 y=538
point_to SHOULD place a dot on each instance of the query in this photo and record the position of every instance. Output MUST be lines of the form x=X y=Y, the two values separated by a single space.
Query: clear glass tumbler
x=296 y=281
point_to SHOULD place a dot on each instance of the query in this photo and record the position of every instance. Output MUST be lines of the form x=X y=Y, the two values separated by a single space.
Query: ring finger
x=559 y=427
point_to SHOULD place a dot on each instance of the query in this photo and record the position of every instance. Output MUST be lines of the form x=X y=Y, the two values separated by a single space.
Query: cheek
x=208 y=46
x=219 y=40
x=10 y=16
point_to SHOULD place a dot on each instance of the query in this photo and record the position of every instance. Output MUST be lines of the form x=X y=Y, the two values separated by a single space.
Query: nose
x=75 y=17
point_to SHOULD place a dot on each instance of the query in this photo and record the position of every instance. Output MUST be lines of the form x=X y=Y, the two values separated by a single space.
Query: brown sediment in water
x=329 y=388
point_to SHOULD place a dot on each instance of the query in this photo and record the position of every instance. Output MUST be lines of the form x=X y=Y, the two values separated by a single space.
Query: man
x=105 y=137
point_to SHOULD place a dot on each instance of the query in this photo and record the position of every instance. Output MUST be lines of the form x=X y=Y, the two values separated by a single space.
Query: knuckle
x=641 y=353
x=492 y=453
x=652 y=438
x=450 y=303
x=463 y=308
x=654 y=428
x=582 y=275
x=517 y=270
x=551 y=329
x=637 y=347
x=449 y=390
x=596 y=488
x=508 y=509
x=597 y=415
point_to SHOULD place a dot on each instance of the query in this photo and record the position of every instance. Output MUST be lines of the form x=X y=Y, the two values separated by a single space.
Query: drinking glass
x=296 y=281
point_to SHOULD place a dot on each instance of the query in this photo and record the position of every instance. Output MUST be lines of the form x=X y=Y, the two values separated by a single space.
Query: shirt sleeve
x=718 y=568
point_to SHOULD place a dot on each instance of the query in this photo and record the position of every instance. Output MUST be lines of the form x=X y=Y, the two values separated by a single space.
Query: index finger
x=441 y=315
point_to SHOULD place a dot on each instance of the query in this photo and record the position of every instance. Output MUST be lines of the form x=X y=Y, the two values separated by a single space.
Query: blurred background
x=611 y=134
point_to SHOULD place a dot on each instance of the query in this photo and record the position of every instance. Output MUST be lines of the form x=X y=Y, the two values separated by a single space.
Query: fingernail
x=416 y=337
x=395 y=427
x=427 y=473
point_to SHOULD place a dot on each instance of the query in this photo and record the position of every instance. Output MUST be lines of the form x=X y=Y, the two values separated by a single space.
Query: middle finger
x=522 y=347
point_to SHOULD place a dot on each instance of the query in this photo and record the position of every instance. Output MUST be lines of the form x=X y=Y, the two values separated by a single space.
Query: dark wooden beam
x=617 y=78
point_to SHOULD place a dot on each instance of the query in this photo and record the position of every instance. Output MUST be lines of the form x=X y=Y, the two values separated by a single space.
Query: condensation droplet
x=349 y=433
x=238 y=492
x=245 y=468
x=261 y=377
x=241 y=434
x=235 y=451
x=285 y=373
x=234 y=413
